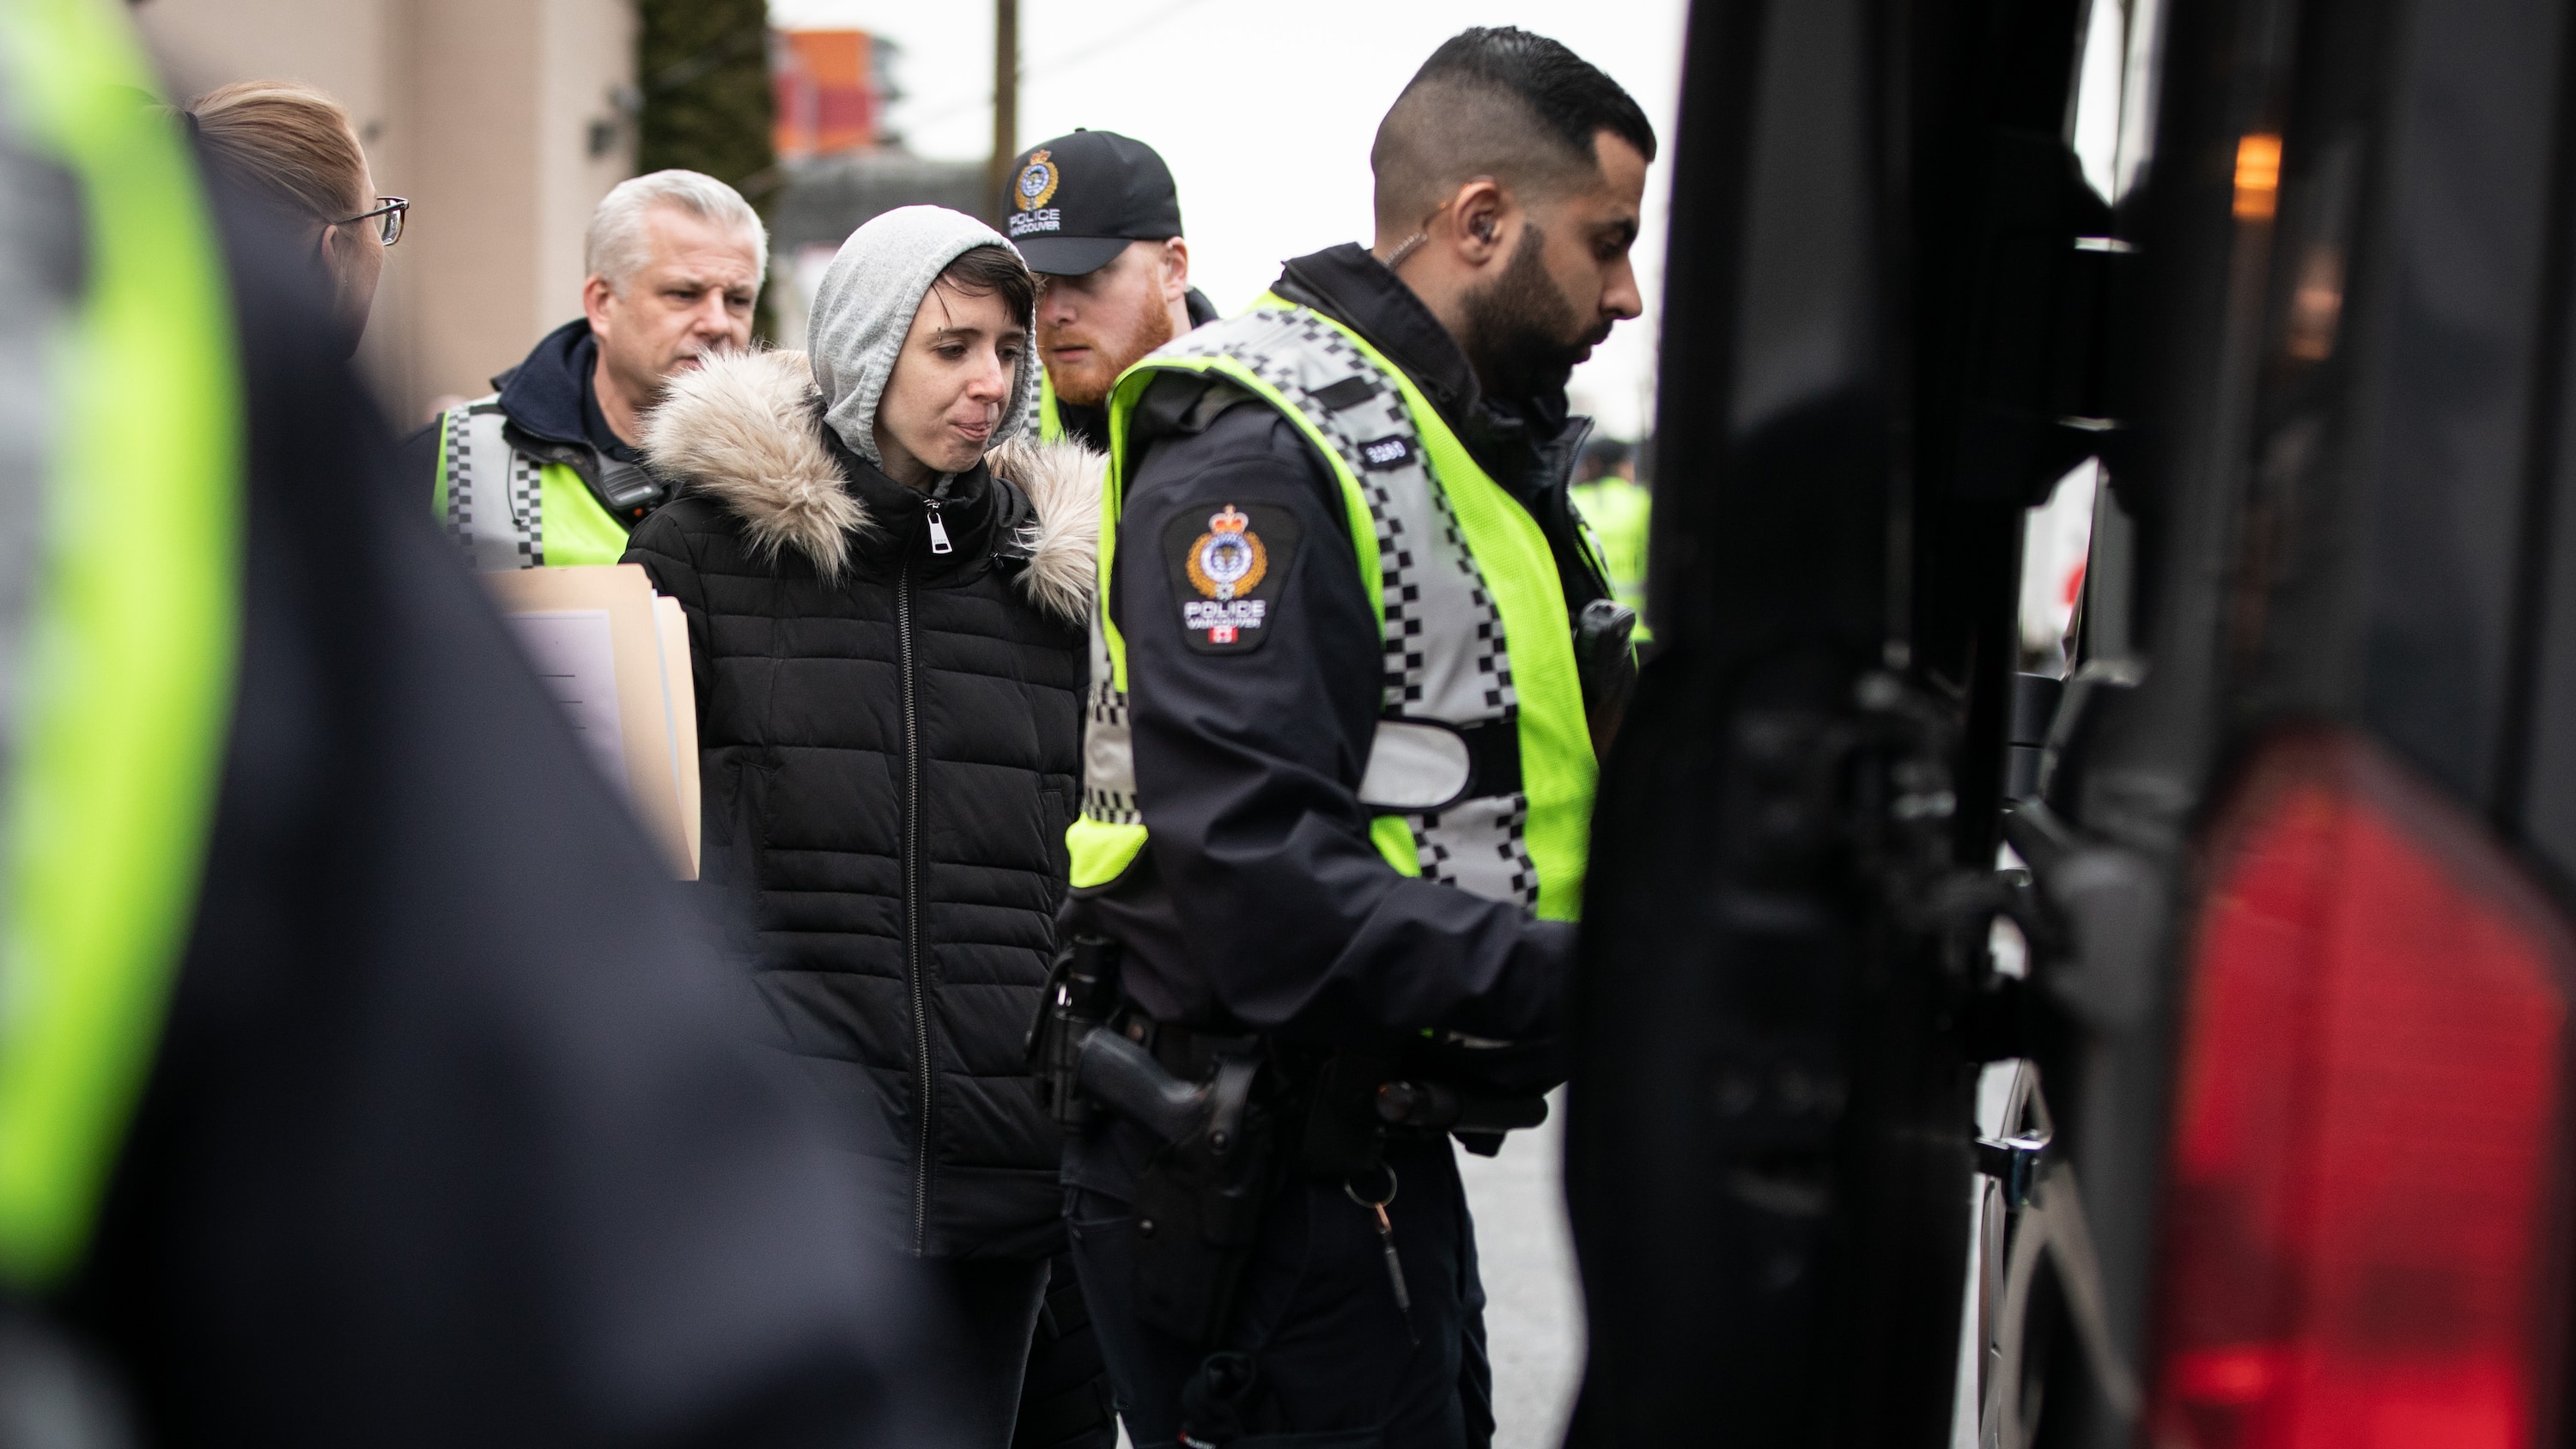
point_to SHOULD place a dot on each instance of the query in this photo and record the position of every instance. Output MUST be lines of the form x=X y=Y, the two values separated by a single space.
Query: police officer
x=361 y=1081
x=1097 y=217
x=1619 y=510
x=1340 y=776
x=545 y=469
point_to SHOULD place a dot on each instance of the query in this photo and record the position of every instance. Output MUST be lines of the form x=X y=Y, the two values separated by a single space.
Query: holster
x=1199 y=1204
x=1232 y=1117
x=1200 y=1197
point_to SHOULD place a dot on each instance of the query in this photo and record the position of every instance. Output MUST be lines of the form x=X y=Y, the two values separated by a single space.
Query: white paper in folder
x=576 y=658
x=617 y=659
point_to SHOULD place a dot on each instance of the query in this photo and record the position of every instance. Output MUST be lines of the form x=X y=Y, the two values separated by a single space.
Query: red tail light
x=2361 y=1240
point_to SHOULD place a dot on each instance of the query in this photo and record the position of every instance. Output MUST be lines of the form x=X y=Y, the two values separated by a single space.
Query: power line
x=1060 y=63
x=1112 y=41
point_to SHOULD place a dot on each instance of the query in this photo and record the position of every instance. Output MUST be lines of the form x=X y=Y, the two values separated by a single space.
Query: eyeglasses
x=388 y=212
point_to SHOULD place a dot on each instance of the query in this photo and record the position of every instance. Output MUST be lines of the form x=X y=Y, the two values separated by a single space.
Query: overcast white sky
x=1264 y=112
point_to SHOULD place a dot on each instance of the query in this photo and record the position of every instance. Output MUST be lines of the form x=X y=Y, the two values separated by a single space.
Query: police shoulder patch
x=1227 y=569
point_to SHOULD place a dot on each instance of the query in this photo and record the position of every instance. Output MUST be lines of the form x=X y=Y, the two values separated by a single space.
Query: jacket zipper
x=912 y=906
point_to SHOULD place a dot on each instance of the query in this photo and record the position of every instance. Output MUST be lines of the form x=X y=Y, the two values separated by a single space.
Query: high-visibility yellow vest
x=123 y=672
x=1619 y=512
x=1050 y=421
x=1481 y=774
x=509 y=510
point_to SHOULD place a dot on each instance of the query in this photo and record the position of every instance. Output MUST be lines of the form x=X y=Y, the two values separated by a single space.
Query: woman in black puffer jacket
x=888 y=631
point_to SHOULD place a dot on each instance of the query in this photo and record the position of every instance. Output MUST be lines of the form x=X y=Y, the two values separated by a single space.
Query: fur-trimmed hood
x=745 y=429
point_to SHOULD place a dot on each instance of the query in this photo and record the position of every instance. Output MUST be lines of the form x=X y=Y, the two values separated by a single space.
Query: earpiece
x=1484 y=228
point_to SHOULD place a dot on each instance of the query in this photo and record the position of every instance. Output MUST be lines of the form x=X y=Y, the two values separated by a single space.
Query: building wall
x=589 y=64
x=487 y=114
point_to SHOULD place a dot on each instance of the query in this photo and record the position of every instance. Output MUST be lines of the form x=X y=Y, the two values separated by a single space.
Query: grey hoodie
x=864 y=309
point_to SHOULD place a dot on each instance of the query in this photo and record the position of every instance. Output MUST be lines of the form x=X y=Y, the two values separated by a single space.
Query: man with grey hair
x=545 y=469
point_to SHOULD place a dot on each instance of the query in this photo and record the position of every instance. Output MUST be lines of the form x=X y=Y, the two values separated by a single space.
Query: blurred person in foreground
x=1619 y=511
x=675 y=260
x=1099 y=220
x=362 y=1080
x=1341 y=765
x=886 y=587
x=293 y=148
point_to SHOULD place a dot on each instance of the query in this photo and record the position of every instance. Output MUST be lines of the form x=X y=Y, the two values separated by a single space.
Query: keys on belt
x=1386 y=1242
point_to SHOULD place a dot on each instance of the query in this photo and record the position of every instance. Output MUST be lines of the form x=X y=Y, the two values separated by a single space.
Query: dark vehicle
x=2275 y=1146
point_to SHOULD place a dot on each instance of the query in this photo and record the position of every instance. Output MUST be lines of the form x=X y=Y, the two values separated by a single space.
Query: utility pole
x=1006 y=103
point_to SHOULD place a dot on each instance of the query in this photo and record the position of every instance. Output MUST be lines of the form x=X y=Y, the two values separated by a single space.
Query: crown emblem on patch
x=1228 y=560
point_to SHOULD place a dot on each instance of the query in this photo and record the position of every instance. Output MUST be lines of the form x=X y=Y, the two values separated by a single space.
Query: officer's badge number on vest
x=1226 y=569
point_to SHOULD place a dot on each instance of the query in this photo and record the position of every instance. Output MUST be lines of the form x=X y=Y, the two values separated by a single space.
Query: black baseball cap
x=1077 y=201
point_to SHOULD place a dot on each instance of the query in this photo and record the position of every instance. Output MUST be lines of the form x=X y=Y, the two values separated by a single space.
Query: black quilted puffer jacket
x=890 y=751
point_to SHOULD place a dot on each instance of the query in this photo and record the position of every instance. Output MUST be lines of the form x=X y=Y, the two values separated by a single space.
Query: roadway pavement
x=1533 y=1308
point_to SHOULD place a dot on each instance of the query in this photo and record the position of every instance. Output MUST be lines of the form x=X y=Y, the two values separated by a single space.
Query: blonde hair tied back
x=288 y=144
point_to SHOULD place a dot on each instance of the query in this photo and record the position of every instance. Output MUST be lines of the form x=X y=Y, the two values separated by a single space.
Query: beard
x=1086 y=384
x=1523 y=338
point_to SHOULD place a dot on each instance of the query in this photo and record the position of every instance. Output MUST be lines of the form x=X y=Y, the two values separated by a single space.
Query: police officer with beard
x=1097 y=217
x=1350 y=668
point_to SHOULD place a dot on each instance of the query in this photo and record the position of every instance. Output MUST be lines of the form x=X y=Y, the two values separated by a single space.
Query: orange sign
x=829 y=91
